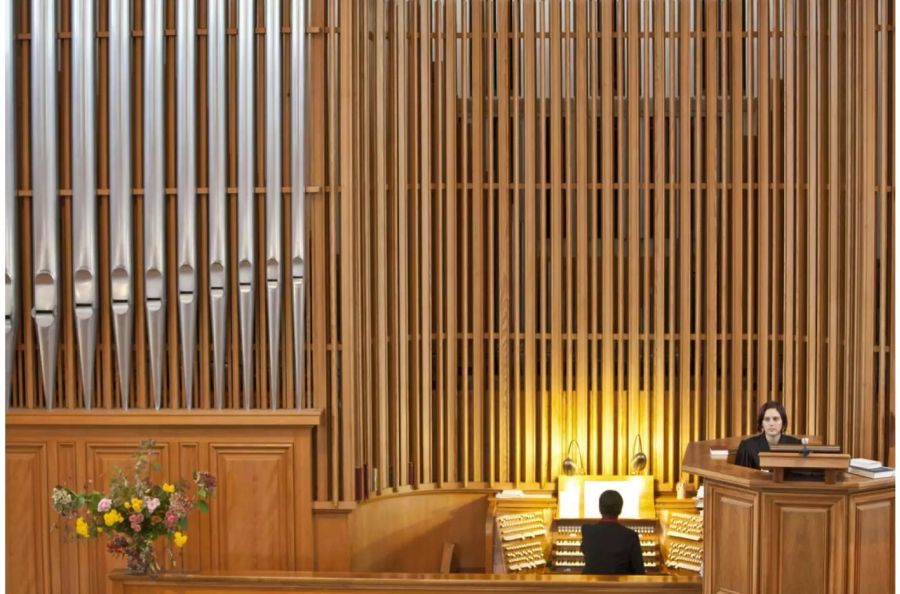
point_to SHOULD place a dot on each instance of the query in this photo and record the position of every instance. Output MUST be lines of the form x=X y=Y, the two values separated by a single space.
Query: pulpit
x=764 y=536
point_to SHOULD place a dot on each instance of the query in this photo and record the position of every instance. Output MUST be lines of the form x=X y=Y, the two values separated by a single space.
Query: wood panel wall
x=537 y=221
x=260 y=517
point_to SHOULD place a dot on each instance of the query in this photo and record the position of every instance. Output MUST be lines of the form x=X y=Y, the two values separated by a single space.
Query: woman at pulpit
x=771 y=422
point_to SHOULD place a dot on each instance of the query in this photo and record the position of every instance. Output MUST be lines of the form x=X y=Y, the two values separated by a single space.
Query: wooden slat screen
x=538 y=221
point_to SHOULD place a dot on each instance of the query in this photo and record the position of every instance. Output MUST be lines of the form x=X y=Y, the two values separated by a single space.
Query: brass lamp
x=569 y=465
x=639 y=458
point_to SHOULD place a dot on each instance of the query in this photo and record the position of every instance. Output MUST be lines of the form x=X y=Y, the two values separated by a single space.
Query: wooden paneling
x=27 y=519
x=332 y=537
x=532 y=221
x=736 y=519
x=255 y=498
x=870 y=526
x=406 y=532
x=804 y=544
x=261 y=516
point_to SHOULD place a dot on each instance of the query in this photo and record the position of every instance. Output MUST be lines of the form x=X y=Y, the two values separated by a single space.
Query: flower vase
x=142 y=559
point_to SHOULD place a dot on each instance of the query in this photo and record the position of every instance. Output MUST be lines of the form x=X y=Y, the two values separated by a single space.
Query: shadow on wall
x=407 y=532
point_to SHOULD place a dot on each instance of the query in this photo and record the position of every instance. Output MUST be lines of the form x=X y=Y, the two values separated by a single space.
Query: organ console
x=541 y=534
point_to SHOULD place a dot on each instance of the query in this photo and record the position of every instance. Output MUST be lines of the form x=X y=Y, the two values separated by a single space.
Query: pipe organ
x=128 y=146
x=347 y=205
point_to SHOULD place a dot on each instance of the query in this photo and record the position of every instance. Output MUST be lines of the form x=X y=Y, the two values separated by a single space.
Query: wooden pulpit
x=763 y=535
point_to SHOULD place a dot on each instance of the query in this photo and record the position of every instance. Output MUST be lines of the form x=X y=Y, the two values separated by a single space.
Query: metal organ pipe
x=12 y=226
x=273 y=192
x=44 y=158
x=218 y=208
x=84 y=191
x=298 y=193
x=246 y=194
x=187 y=191
x=154 y=194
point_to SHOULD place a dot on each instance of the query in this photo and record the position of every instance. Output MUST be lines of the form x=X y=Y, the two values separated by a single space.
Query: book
x=718 y=453
x=873 y=473
x=865 y=463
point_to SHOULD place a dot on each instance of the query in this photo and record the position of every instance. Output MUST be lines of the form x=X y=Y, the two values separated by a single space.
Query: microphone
x=805 y=451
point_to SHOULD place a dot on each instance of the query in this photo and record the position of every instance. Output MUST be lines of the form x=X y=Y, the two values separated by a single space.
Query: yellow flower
x=168 y=487
x=81 y=528
x=112 y=517
x=137 y=504
x=127 y=505
x=99 y=530
x=180 y=539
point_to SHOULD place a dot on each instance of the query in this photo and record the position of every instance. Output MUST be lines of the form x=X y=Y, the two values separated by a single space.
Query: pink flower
x=151 y=503
x=105 y=505
x=136 y=520
x=171 y=519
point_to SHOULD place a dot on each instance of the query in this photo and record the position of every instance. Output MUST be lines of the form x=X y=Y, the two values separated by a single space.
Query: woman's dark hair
x=762 y=413
x=610 y=504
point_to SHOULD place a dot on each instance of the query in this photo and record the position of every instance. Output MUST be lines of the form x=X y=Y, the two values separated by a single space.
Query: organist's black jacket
x=611 y=548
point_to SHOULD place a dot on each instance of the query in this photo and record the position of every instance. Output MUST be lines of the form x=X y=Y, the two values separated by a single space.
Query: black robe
x=748 y=451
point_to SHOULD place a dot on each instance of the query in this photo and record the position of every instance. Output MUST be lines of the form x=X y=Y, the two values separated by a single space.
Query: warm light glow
x=579 y=496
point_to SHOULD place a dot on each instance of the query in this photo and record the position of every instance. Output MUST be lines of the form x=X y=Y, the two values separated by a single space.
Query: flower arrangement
x=135 y=511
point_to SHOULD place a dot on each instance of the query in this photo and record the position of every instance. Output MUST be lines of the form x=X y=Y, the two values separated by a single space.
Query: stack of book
x=869 y=468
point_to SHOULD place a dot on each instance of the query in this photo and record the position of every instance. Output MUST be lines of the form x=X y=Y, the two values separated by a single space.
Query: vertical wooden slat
x=425 y=393
x=790 y=43
x=737 y=198
x=348 y=280
x=831 y=414
x=515 y=313
x=556 y=245
x=608 y=345
x=381 y=231
x=318 y=231
x=633 y=71
x=866 y=404
x=530 y=289
x=657 y=458
x=713 y=427
x=503 y=237
x=813 y=193
x=451 y=239
x=685 y=223
x=881 y=397
x=490 y=252
x=478 y=442
x=582 y=302
x=764 y=328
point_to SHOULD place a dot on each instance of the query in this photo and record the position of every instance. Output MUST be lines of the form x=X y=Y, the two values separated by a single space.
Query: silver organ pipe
x=298 y=193
x=12 y=223
x=154 y=194
x=218 y=207
x=44 y=158
x=246 y=194
x=84 y=191
x=120 y=217
x=187 y=191
x=273 y=192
